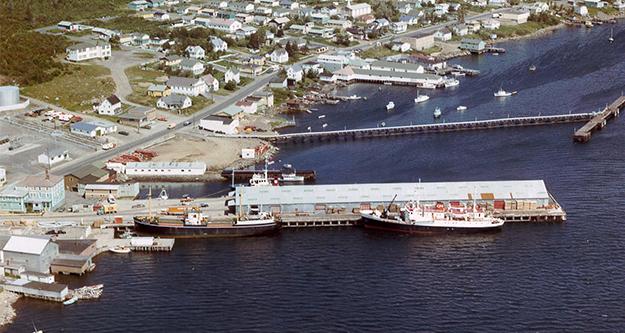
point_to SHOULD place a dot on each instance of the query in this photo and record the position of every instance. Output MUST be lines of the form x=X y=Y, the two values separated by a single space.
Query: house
x=194 y=51
x=244 y=18
x=514 y=16
x=232 y=75
x=219 y=124
x=53 y=156
x=400 y=46
x=278 y=22
x=420 y=42
x=581 y=10
x=279 y=56
x=110 y=106
x=460 y=29
x=325 y=33
x=289 y=4
x=219 y=45
x=270 y=3
x=300 y=29
x=381 y=23
x=409 y=19
x=171 y=60
x=497 y=3
x=216 y=4
x=138 y=5
x=139 y=39
x=226 y=25
x=245 y=31
x=240 y=6
x=319 y=18
x=158 y=90
x=43 y=193
x=174 y=102
x=248 y=105
x=443 y=34
x=156 y=3
x=312 y=66
x=187 y=86
x=87 y=51
x=594 y=3
x=34 y=254
x=491 y=24
x=441 y=9
x=278 y=83
x=339 y=24
x=539 y=7
x=472 y=45
x=193 y=66
x=265 y=97
x=161 y=16
x=474 y=26
x=295 y=73
x=138 y=116
x=398 y=27
x=211 y=82
x=256 y=60
x=618 y=5
x=262 y=11
x=93 y=128
x=357 y=10
x=68 y=26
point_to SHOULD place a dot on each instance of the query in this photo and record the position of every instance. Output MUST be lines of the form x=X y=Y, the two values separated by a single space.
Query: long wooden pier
x=421 y=129
x=599 y=121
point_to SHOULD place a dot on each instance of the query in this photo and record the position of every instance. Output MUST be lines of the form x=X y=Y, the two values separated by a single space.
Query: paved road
x=119 y=62
x=244 y=91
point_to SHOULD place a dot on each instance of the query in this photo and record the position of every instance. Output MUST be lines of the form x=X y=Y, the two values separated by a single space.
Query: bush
x=231 y=85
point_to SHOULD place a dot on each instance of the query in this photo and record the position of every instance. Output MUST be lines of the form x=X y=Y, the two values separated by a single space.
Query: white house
x=357 y=10
x=211 y=82
x=93 y=128
x=491 y=24
x=161 y=16
x=174 y=102
x=219 y=124
x=232 y=75
x=460 y=29
x=194 y=51
x=165 y=168
x=87 y=51
x=248 y=105
x=619 y=5
x=295 y=73
x=441 y=9
x=581 y=10
x=53 y=156
x=594 y=3
x=398 y=27
x=515 y=16
x=279 y=56
x=191 y=65
x=229 y=26
x=109 y=106
x=219 y=45
x=400 y=46
x=187 y=86
x=443 y=34
x=240 y=6
x=68 y=26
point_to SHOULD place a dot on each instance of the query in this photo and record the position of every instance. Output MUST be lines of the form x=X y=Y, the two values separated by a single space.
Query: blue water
x=539 y=278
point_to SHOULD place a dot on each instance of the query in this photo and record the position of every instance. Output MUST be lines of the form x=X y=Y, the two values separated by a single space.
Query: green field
x=76 y=90
x=377 y=52
x=140 y=79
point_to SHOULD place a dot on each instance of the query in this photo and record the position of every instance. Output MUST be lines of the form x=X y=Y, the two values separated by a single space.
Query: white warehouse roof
x=29 y=245
x=165 y=165
x=384 y=192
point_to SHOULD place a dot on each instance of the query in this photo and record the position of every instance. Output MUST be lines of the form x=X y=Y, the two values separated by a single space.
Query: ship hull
x=169 y=231
x=377 y=223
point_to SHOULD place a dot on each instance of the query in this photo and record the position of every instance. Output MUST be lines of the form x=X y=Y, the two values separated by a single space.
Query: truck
x=106 y=208
x=108 y=146
x=176 y=210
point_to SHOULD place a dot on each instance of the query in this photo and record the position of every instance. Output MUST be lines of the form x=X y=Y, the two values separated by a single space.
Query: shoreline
x=7 y=311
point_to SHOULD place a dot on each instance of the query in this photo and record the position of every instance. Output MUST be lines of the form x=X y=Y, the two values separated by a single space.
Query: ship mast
x=150 y=203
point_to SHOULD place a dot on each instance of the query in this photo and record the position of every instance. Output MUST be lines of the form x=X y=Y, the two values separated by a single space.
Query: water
x=543 y=277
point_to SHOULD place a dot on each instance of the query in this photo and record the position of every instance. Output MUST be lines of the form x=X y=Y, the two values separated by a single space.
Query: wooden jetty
x=419 y=129
x=599 y=121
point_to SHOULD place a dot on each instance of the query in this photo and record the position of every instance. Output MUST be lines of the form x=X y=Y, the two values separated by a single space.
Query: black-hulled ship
x=194 y=225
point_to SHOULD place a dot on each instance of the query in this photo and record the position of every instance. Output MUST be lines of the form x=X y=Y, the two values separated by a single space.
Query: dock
x=420 y=129
x=599 y=121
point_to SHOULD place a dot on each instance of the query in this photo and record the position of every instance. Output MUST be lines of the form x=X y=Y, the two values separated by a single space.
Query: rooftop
x=28 y=245
x=40 y=181
x=166 y=165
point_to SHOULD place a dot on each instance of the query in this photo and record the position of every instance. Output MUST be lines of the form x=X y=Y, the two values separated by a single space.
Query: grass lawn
x=140 y=79
x=433 y=49
x=377 y=52
x=77 y=90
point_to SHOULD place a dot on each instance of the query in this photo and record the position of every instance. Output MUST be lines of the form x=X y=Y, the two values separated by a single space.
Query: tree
x=280 y=33
x=257 y=39
x=231 y=85
x=291 y=49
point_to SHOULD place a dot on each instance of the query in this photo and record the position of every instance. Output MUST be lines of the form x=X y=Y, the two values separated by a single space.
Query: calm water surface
x=544 y=277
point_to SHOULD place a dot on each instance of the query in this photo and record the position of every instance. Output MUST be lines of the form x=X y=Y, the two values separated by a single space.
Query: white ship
x=421 y=98
x=451 y=83
x=503 y=93
x=461 y=108
x=390 y=105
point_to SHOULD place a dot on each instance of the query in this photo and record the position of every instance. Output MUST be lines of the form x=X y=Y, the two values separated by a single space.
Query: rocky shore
x=7 y=313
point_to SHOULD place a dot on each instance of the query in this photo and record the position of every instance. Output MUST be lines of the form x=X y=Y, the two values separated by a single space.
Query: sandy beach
x=7 y=313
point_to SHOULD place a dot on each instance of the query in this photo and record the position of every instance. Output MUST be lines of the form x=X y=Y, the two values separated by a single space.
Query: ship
x=415 y=218
x=195 y=225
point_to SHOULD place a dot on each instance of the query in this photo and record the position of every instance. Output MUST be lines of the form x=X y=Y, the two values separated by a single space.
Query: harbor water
x=529 y=277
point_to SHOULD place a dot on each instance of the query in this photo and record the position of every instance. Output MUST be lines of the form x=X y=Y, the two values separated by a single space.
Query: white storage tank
x=9 y=95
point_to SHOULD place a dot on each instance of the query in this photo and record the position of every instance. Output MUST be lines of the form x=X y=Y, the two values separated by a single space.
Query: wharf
x=422 y=129
x=245 y=175
x=599 y=121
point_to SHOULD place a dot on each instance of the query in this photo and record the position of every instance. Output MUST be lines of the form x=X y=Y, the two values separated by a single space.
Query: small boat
x=532 y=68
x=388 y=84
x=322 y=116
x=390 y=105
x=451 y=83
x=289 y=175
x=461 y=108
x=71 y=300
x=503 y=93
x=421 y=98
x=120 y=250
x=255 y=220
x=353 y=97
x=495 y=53
x=163 y=195
x=428 y=86
x=458 y=74
x=324 y=125
x=588 y=24
x=611 y=39
x=437 y=112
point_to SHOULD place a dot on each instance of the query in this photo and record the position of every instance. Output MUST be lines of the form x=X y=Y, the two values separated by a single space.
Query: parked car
x=186 y=123
x=123 y=133
x=204 y=204
x=138 y=206
x=171 y=126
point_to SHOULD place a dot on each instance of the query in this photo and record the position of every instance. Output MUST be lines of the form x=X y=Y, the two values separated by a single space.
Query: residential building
x=232 y=75
x=171 y=60
x=68 y=26
x=594 y=3
x=443 y=34
x=581 y=10
x=53 y=156
x=265 y=98
x=295 y=73
x=472 y=45
x=211 y=82
x=88 y=51
x=93 y=128
x=398 y=27
x=339 y=24
x=34 y=254
x=421 y=42
x=409 y=19
x=158 y=90
x=491 y=24
x=289 y=4
x=460 y=29
x=138 y=116
x=400 y=46
x=139 y=5
x=174 y=102
x=514 y=16
x=219 y=45
x=187 y=86
x=43 y=193
x=277 y=83
x=226 y=25
x=325 y=33
x=279 y=56
x=441 y=9
x=193 y=66
x=240 y=6
x=278 y=22
x=164 y=168
x=248 y=105
x=245 y=31
x=110 y=106
x=357 y=10
x=161 y=16
x=195 y=52
x=219 y=124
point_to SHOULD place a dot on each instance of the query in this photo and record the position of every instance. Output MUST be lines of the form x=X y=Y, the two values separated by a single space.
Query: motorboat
x=437 y=112
x=428 y=86
x=322 y=116
x=421 y=98
x=611 y=39
x=289 y=175
x=532 y=68
x=163 y=195
x=458 y=74
x=120 y=250
x=71 y=300
x=461 y=108
x=324 y=125
x=390 y=105
x=451 y=83
x=503 y=93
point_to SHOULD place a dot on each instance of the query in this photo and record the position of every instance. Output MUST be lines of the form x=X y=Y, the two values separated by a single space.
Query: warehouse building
x=30 y=253
x=351 y=198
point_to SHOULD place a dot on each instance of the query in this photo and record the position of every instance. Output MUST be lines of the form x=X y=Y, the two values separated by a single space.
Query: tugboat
x=415 y=218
